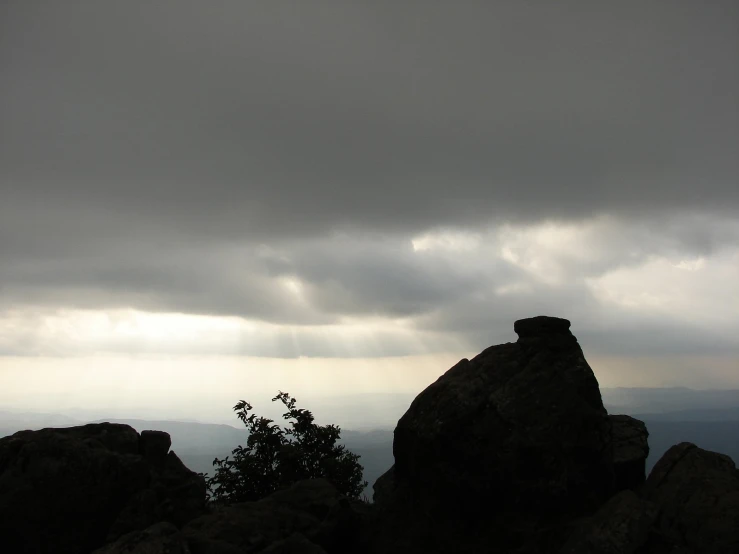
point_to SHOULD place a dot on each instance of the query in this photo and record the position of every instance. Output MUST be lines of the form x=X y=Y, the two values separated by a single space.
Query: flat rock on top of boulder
x=541 y=326
x=630 y=451
x=154 y=445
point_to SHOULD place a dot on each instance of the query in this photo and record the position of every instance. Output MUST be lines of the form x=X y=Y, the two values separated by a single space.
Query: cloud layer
x=406 y=172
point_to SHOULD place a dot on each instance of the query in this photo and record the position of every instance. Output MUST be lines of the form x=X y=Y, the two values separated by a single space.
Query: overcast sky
x=237 y=180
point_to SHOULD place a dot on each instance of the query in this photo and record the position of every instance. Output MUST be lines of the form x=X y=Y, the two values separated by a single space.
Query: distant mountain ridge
x=659 y=400
x=708 y=418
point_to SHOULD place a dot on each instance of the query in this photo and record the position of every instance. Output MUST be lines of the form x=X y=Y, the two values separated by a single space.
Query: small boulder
x=630 y=451
x=154 y=445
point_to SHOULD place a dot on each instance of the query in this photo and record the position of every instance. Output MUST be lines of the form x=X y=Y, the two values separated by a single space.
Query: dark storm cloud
x=337 y=276
x=263 y=119
x=274 y=160
x=383 y=276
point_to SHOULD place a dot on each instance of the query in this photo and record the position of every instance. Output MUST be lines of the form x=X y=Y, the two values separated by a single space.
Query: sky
x=208 y=201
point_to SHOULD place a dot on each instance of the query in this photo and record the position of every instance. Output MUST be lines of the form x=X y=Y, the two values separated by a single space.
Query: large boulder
x=507 y=443
x=697 y=492
x=520 y=427
x=70 y=490
x=630 y=451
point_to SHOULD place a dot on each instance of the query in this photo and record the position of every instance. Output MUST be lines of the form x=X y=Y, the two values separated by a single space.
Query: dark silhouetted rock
x=630 y=451
x=71 y=490
x=139 y=512
x=154 y=445
x=175 y=494
x=294 y=544
x=697 y=493
x=542 y=327
x=621 y=526
x=313 y=508
x=520 y=428
x=160 y=538
x=384 y=487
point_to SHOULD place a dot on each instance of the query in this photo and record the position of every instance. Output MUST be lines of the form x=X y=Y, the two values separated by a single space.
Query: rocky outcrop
x=520 y=429
x=72 y=490
x=630 y=451
x=697 y=492
x=513 y=452
x=510 y=452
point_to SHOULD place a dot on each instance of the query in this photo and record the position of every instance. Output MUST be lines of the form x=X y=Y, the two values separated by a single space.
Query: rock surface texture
x=511 y=452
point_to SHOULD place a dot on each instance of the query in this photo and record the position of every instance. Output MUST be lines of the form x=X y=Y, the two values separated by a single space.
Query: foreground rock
x=160 y=538
x=520 y=429
x=622 y=526
x=697 y=492
x=630 y=451
x=72 y=490
x=311 y=512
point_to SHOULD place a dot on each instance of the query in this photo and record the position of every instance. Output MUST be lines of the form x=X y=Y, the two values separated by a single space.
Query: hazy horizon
x=372 y=411
x=201 y=203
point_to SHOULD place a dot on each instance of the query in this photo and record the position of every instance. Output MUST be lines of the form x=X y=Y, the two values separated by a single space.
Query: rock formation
x=513 y=451
x=71 y=490
x=510 y=452
x=520 y=429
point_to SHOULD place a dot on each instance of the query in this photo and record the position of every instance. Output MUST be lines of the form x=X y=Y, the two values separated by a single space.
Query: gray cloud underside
x=445 y=293
x=266 y=119
x=184 y=156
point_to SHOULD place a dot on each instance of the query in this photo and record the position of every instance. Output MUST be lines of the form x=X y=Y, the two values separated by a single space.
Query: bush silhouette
x=275 y=458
